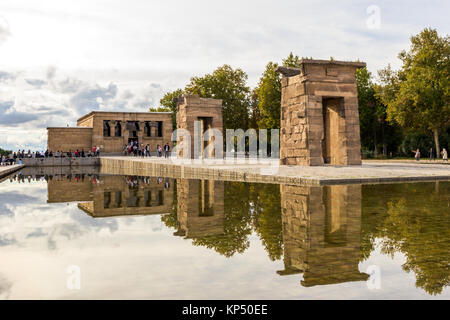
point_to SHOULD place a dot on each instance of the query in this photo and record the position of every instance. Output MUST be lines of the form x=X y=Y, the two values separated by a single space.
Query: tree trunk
x=383 y=137
x=375 y=151
x=436 y=142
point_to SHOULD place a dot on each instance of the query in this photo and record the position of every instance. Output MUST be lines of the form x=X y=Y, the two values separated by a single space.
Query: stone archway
x=319 y=114
x=207 y=112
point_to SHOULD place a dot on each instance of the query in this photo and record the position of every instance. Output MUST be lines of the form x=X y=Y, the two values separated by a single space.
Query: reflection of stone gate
x=200 y=210
x=321 y=233
x=319 y=114
x=207 y=111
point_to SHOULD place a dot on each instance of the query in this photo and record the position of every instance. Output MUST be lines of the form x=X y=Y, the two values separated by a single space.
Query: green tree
x=372 y=116
x=269 y=93
x=230 y=85
x=292 y=61
x=4 y=152
x=255 y=114
x=417 y=96
x=367 y=110
x=169 y=101
x=160 y=109
x=269 y=98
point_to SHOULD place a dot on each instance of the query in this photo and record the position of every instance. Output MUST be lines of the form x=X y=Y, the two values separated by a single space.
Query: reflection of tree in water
x=170 y=220
x=247 y=207
x=409 y=218
x=267 y=217
x=416 y=222
x=237 y=222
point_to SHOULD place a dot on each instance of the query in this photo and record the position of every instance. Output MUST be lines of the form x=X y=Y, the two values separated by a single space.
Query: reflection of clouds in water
x=5 y=288
x=96 y=224
x=9 y=199
x=29 y=221
x=15 y=198
x=6 y=240
x=36 y=234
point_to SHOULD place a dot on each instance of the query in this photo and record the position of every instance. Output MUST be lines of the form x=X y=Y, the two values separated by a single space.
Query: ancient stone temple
x=207 y=112
x=111 y=131
x=319 y=114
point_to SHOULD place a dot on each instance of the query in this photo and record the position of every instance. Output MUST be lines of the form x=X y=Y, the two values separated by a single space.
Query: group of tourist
x=139 y=150
x=21 y=178
x=16 y=157
x=134 y=181
x=444 y=154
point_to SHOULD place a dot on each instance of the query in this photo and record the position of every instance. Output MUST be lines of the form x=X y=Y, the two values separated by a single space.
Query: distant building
x=111 y=131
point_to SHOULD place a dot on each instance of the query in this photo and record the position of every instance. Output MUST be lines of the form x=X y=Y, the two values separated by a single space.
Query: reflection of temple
x=200 y=207
x=321 y=233
x=106 y=196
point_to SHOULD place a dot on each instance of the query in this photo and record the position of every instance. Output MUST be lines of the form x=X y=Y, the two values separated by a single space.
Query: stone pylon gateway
x=208 y=112
x=319 y=114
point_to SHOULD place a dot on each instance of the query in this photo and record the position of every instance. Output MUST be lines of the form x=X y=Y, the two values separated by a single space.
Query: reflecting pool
x=82 y=235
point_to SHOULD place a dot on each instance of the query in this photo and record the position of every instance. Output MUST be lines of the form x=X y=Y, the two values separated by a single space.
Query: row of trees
x=408 y=108
x=403 y=110
x=4 y=152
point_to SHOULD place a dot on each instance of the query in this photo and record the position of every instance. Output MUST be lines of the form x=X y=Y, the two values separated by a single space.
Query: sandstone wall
x=65 y=139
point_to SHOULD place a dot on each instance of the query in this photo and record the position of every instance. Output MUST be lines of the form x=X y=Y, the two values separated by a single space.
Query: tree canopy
x=269 y=93
x=417 y=95
x=230 y=85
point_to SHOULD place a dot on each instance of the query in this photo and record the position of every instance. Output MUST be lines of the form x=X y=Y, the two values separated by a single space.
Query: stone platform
x=268 y=172
x=7 y=170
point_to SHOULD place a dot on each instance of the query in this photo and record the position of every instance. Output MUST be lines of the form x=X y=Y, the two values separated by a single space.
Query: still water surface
x=161 y=238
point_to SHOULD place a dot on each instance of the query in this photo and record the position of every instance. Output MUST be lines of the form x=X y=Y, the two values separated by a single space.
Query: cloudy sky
x=61 y=59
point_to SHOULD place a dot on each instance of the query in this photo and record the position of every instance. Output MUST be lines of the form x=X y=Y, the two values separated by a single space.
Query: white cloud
x=4 y=30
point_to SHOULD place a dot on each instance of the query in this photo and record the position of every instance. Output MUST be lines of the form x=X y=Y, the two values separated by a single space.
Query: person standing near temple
x=417 y=154
x=166 y=150
x=444 y=155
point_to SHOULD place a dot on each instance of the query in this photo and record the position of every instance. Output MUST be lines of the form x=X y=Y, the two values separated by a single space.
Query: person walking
x=417 y=154
x=166 y=150
x=444 y=155
x=431 y=154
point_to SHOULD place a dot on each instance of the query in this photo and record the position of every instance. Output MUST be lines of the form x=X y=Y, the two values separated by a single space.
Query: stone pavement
x=270 y=172
x=6 y=170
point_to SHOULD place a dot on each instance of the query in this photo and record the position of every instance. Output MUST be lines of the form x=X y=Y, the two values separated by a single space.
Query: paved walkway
x=6 y=170
x=269 y=172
